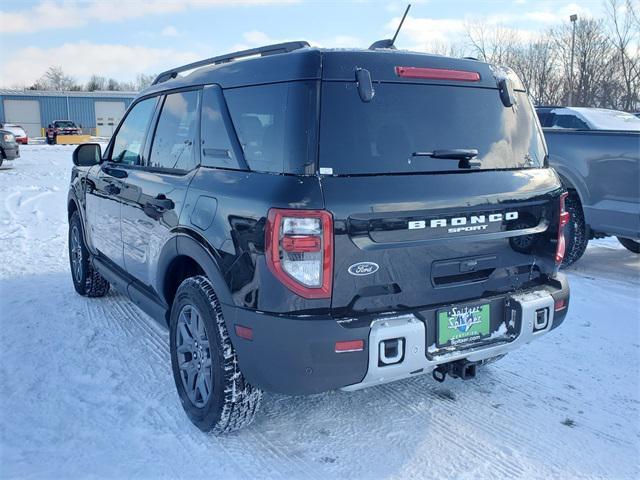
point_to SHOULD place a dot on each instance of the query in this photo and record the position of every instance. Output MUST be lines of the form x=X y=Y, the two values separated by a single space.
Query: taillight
x=563 y=220
x=299 y=249
x=438 y=74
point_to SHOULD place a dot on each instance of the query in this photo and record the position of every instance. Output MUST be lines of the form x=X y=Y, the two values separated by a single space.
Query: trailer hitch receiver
x=463 y=369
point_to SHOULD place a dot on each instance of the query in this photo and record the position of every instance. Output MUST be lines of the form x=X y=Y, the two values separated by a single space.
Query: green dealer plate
x=463 y=324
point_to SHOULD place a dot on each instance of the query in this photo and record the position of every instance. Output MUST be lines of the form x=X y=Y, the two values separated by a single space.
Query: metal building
x=98 y=113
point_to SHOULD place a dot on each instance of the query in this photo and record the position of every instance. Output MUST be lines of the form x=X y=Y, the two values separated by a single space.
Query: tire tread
x=95 y=285
x=241 y=399
x=576 y=246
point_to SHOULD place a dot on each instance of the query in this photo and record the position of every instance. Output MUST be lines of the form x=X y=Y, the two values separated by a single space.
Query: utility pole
x=574 y=19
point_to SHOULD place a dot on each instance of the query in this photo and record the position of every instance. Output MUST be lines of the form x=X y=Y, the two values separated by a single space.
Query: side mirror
x=365 y=85
x=87 y=155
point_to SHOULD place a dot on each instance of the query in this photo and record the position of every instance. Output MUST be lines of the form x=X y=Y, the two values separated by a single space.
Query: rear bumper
x=296 y=355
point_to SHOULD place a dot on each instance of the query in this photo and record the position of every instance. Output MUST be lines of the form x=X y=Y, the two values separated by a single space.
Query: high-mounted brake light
x=437 y=74
x=562 y=221
x=299 y=249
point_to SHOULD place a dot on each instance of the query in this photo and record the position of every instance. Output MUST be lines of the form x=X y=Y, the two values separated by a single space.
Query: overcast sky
x=122 y=38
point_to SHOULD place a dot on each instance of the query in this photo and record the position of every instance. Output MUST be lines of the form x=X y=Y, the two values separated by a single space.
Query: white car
x=18 y=132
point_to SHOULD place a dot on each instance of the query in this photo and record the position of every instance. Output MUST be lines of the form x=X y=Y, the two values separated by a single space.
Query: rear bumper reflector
x=350 y=346
x=244 y=332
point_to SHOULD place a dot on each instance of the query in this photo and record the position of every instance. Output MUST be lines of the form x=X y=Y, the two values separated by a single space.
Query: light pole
x=574 y=19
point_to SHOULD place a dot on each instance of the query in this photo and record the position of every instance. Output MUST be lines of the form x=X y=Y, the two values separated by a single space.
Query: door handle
x=114 y=172
x=161 y=202
x=111 y=189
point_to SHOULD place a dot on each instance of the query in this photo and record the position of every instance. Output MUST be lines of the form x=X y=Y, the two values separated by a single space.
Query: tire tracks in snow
x=246 y=449
x=438 y=415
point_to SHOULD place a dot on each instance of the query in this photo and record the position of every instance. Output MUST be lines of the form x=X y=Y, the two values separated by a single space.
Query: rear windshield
x=380 y=136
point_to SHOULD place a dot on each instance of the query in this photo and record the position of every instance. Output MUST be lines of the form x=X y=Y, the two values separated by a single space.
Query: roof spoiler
x=229 y=57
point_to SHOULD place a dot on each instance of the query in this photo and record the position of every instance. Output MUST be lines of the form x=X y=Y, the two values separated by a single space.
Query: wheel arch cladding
x=179 y=269
x=72 y=207
x=189 y=258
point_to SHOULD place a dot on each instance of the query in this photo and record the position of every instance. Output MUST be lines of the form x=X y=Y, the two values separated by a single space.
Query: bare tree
x=494 y=44
x=622 y=22
x=55 y=79
x=96 y=82
x=536 y=64
x=607 y=57
x=143 y=81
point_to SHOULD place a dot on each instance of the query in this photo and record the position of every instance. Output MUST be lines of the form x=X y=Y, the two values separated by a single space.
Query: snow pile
x=86 y=386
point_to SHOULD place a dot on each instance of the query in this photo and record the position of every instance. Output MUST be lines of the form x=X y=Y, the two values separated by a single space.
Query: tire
x=631 y=245
x=86 y=280
x=214 y=394
x=575 y=232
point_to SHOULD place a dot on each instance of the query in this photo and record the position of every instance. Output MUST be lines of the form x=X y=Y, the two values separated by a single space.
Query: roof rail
x=229 y=57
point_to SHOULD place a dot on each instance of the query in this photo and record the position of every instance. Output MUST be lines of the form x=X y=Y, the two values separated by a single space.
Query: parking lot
x=87 y=387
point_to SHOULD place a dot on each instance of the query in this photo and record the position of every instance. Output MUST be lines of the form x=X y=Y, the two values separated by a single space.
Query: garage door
x=108 y=115
x=25 y=113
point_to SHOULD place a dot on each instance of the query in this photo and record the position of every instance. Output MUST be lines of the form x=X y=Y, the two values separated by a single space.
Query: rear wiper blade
x=451 y=154
x=466 y=156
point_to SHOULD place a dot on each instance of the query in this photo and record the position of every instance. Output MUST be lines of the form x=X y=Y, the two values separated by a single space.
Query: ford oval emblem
x=363 y=268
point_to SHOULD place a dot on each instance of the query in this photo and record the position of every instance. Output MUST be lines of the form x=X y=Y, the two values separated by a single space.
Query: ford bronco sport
x=312 y=219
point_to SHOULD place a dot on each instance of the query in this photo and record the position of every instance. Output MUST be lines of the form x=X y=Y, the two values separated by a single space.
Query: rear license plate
x=463 y=324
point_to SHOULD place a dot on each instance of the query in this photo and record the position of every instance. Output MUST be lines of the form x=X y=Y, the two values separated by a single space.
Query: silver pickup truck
x=601 y=170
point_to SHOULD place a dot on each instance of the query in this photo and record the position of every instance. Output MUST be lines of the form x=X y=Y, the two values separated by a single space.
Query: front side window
x=175 y=136
x=127 y=146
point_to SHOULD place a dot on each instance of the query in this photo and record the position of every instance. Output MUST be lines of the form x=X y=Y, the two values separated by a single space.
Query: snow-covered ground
x=86 y=387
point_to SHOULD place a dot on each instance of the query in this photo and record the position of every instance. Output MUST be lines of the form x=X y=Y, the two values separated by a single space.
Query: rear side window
x=174 y=140
x=276 y=125
x=380 y=136
x=217 y=149
x=127 y=146
x=569 y=121
x=546 y=119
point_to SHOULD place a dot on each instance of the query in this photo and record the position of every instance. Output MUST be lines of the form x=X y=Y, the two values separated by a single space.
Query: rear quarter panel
x=228 y=209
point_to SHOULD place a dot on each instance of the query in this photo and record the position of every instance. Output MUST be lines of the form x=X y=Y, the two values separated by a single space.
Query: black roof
x=309 y=63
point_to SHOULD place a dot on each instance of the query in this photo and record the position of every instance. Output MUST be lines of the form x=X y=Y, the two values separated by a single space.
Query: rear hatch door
x=412 y=230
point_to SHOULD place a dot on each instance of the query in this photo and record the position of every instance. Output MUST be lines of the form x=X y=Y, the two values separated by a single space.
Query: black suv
x=313 y=219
